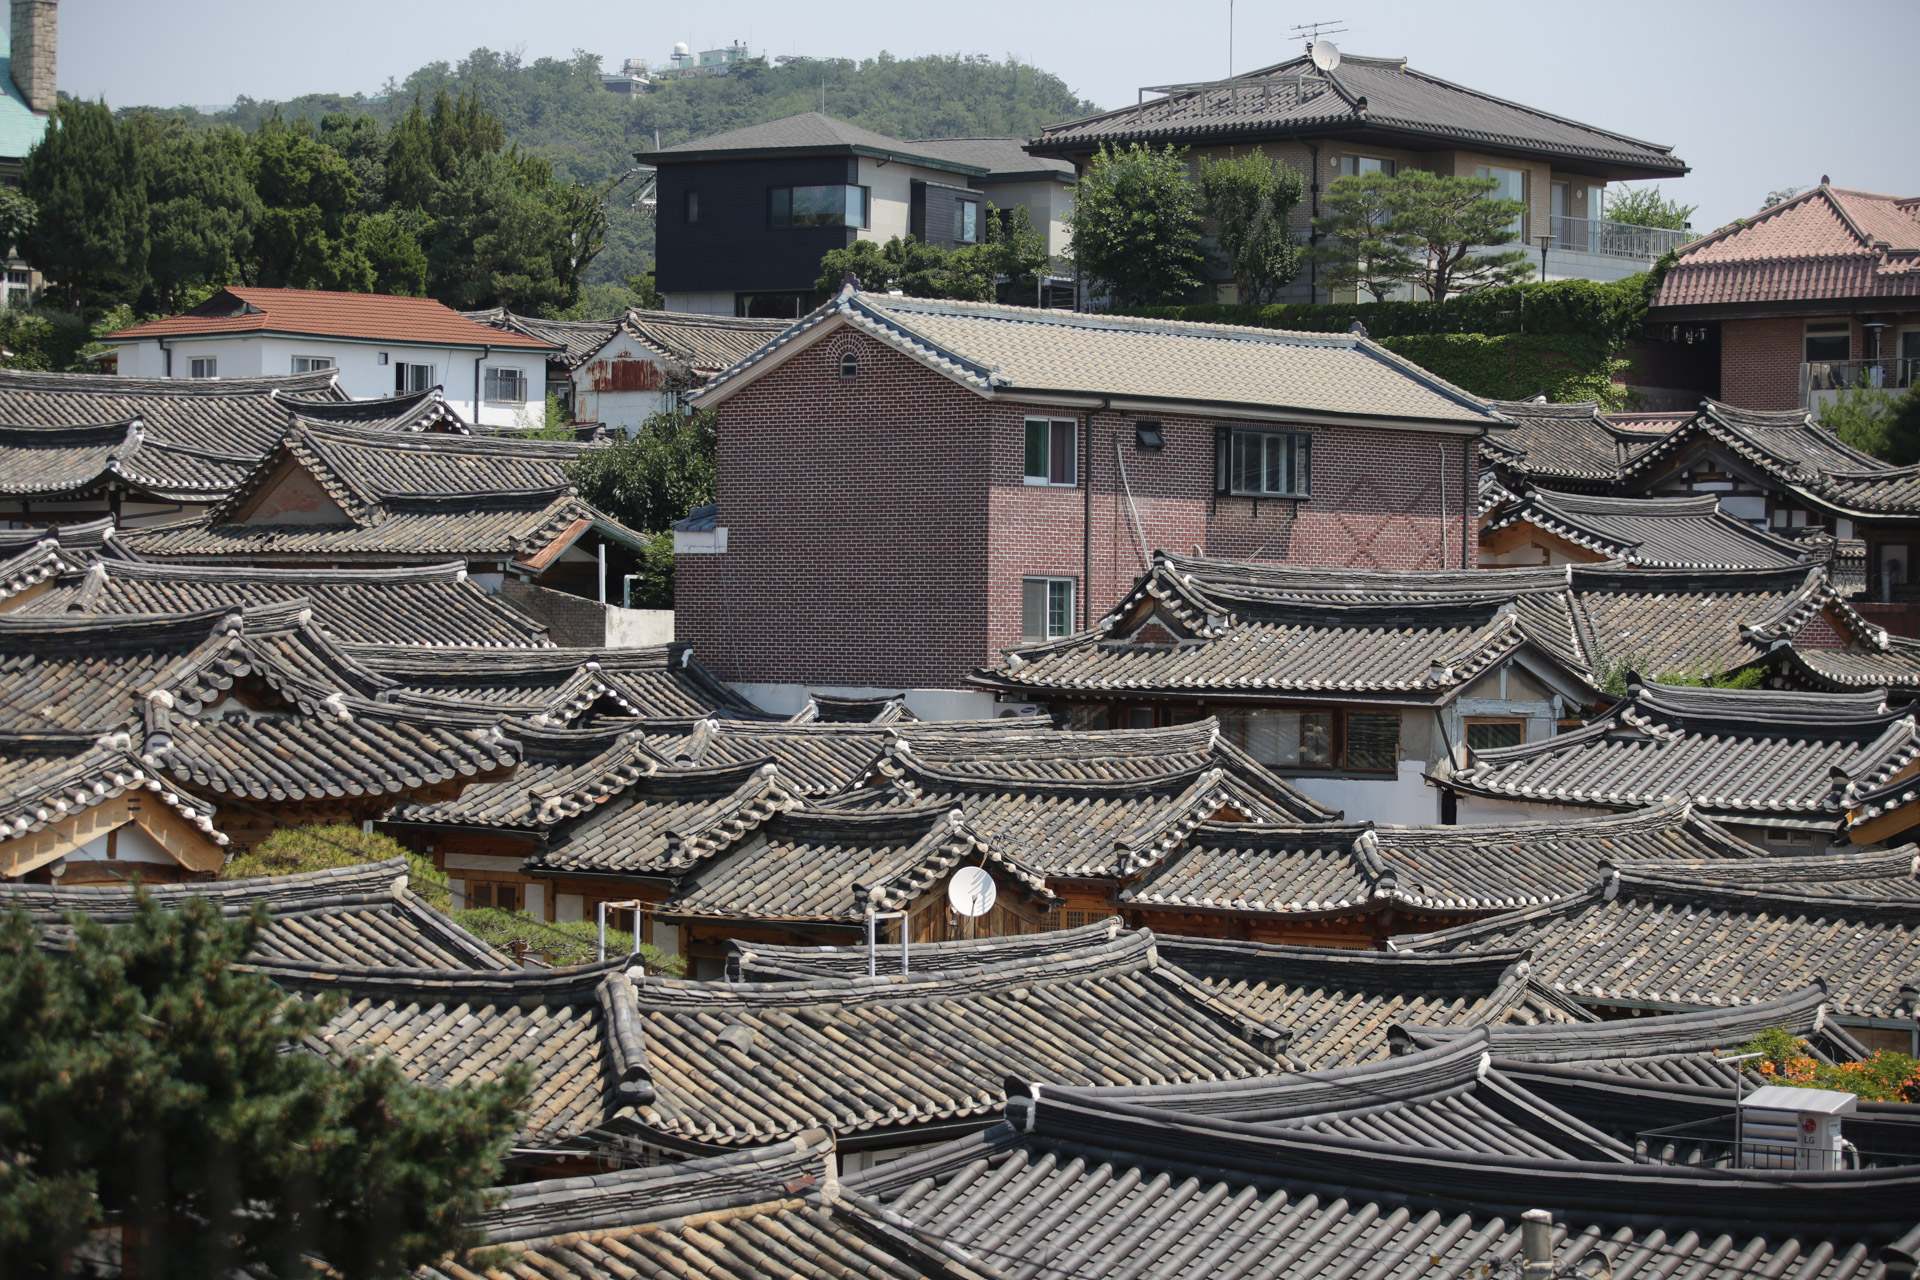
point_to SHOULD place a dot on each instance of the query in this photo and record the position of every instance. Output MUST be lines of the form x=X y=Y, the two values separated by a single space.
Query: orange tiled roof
x=381 y=317
x=1825 y=243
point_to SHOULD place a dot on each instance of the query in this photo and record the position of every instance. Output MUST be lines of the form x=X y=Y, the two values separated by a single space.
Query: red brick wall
x=878 y=530
x=1760 y=361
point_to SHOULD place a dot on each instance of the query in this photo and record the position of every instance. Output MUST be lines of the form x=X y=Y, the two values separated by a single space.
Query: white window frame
x=403 y=381
x=314 y=364
x=1045 y=477
x=966 y=221
x=1349 y=166
x=1519 y=224
x=1301 y=464
x=1057 y=599
x=203 y=366
x=494 y=378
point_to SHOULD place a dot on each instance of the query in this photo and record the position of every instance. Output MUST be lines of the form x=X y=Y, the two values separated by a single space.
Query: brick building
x=1809 y=298
x=908 y=486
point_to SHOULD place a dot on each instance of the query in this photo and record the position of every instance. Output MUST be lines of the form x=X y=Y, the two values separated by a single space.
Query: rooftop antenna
x=1312 y=33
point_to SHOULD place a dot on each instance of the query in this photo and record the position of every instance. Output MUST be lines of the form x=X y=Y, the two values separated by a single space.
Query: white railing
x=1615 y=239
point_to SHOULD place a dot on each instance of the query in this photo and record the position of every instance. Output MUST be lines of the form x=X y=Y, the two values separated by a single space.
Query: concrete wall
x=1408 y=798
x=361 y=373
x=637 y=628
x=624 y=384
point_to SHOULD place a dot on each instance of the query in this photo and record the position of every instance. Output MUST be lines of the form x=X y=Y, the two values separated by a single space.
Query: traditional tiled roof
x=1896 y=667
x=825 y=757
x=45 y=782
x=1338 y=1006
x=1006 y=351
x=1004 y=159
x=1684 y=935
x=66 y=463
x=802 y=866
x=1339 y=868
x=430 y=606
x=1569 y=446
x=577 y=340
x=703 y=344
x=662 y=822
x=558 y=686
x=1745 y=754
x=308 y=728
x=235 y=417
x=31 y=557
x=415 y=411
x=559 y=768
x=749 y=961
x=578 y=1031
x=1828 y=242
x=884 y=1059
x=1673 y=1048
x=1383 y=96
x=361 y=917
x=1075 y=1185
x=380 y=317
x=1666 y=533
x=1057 y=804
x=826 y=708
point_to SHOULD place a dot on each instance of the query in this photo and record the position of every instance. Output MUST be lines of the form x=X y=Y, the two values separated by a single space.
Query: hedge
x=1518 y=366
x=1610 y=311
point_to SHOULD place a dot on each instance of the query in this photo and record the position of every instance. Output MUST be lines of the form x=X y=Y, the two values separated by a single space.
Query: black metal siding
x=932 y=217
x=733 y=246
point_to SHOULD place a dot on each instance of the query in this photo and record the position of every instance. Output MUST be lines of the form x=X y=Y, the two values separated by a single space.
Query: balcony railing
x=1615 y=239
x=1890 y=374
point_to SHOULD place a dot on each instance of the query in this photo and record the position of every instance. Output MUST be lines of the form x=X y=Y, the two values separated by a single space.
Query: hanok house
x=1571 y=448
x=250 y=711
x=1004 y=468
x=79 y=447
x=1541 y=526
x=375 y=344
x=1808 y=299
x=621 y=372
x=1669 y=936
x=1778 y=768
x=1378 y=115
x=332 y=496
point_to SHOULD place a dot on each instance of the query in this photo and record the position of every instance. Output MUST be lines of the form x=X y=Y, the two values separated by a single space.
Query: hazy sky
x=1754 y=94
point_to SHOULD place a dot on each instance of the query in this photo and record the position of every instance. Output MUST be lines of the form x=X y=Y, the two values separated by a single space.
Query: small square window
x=693 y=206
x=1046 y=609
x=1491 y=735
x=1050 y=451
x=203 y=367
x=506 y=386
x=1148 y=437
x=1258 y=463
x=309 y=364
x=381 y=358
x=409 y=379
x=966 y=221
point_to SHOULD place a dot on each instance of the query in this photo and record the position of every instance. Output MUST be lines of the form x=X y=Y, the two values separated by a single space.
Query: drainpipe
x=1313 y=233
x=1086 y=515
x=166 y=354
x=477 y=362
x=603 y=571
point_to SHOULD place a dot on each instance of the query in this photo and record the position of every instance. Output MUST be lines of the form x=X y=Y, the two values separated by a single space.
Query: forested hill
x=557 y=109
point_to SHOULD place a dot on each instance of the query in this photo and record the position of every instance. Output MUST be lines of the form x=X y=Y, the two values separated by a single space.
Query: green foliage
x=1135 y=225
x=17 y=215
x=84 y=180
x=903 y=263
x=1873 y=420
x=1612 y=311
x=1780 y=195
x=49 y=340
x=201 y=205
x=319 y=848
x=1887 y=1076
x=307 y=236
x=1615 y=674
x=654 y=590
x=1443 y=221
x=147 y=1080
x=610 y=301
x=502 y=237
x=1249 y=200
x=1013 y=251
x=556 y=423
x=654 y=474
x=1646 y=207
x=1361 y=249
x=1564 y=368
x=561 y=942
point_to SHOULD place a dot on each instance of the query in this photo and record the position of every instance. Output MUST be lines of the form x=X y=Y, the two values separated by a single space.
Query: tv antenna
x=1313 y=33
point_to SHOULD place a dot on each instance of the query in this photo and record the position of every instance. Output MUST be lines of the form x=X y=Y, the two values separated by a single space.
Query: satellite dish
x=1325 y=55
x=971 y=891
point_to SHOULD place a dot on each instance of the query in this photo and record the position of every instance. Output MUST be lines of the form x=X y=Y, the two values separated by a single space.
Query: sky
x=1755 y=95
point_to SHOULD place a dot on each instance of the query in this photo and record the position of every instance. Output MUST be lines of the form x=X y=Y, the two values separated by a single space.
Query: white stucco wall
x=1407 y=798
x=131 y=843
x=596 y=393
x=928 y=704
x=638 y=628
x=361 y=374
x=1046 y=202
x=1479 y=809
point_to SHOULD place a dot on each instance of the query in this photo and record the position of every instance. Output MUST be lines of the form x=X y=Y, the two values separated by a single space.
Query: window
x=1357 y=740
x=1148 y=437
x=693 y=206
x=1491 y=735
x=1373 y=740
x=1829 y=340
x=966 y=221
x=819 y=206
x=203 y=367
x=506 y=386
x=1140 y=718
x=1511 y=185
x=482 y=893
x=408 y=379
x=307 y=364
x=1797 y=839
x=1266 y=463
x=849 y=366
x=1354 y=166
x=1050 y=452
x=1046 y=609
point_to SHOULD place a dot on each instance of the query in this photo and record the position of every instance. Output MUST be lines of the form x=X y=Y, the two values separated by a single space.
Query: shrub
x=562 y=942
x=318 y=848
x=1888 y=1076
x=1518 y=366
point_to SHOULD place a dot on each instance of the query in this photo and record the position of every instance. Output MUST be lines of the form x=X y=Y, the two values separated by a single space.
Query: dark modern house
x=746 y=216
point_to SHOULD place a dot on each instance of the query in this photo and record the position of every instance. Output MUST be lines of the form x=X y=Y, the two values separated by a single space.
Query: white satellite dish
x=971 y=891
x=1325 y=55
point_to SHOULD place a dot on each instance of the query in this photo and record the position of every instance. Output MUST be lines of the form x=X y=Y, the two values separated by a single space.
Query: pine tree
x=1445 y=221
x=308 y=233
x=147 y=1082
x=1360 y=247
x=90 y=236
x=410 y=177
x=201 y=205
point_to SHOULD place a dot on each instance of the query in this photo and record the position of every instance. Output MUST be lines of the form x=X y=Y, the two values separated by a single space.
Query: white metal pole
x=872 y=970
x=903 y=942
x=603 y=571
x=601 y=954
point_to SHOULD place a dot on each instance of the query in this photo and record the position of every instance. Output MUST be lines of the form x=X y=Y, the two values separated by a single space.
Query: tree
x=390 y=242
x=1135 y=225
x=503 y=236
x=411 y=179
x=90 y=235
x=562 y=942
x=1444 y=220
x=915 y=269
x=1361 y=247
x=149 y=1083
x=1250 y=201
x=17 y=216
x=323 y=847
x=201 y=205
x=308 y=233
x=1779 y=196
x=653 y=475
x=1646 y=207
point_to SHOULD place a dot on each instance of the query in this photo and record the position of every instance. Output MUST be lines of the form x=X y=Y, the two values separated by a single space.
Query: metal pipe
x=601 y=952
x=477 y=362
x=603 y=570
x=1536 y=1244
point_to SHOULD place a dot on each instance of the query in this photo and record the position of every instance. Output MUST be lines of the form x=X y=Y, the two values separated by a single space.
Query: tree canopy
x=1136 y=225
x=1250 y=200
x=648 y=478
x=149 y=1084
x=1419 y=229
x=1647 y=207
x=1013 y=253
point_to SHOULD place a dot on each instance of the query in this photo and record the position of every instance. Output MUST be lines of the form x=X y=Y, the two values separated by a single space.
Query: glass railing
x=1615 y=239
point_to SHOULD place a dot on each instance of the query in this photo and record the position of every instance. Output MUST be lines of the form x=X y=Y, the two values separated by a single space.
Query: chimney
x=36 y=42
